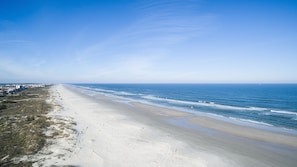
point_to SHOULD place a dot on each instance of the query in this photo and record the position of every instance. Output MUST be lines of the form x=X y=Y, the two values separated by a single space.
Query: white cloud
x=12 y=70
x=136 y=52
x=137 y=49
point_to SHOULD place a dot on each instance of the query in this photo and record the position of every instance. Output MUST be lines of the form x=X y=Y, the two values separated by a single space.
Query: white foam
x=251 y=121
x=109 y=138
x=284 y=112
x=103 y=90
x=205 y=103
x=191 y=103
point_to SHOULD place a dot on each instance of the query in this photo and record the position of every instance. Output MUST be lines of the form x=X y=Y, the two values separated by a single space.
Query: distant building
x=8 y=89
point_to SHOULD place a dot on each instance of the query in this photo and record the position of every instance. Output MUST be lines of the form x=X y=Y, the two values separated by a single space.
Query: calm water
x=267 y=104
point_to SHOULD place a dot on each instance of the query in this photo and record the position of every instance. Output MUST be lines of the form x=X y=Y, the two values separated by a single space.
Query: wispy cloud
x=13 y=70
x=16 y=41
x=161 y=24
x=167 y=22
x=136 y=51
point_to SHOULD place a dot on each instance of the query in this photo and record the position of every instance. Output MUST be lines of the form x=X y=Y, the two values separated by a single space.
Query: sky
x=148 y=41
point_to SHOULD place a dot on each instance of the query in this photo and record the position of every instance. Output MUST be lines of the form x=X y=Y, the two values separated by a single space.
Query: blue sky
x=148 y=41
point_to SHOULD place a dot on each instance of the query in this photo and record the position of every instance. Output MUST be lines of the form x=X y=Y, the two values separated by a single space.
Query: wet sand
x=119 y=132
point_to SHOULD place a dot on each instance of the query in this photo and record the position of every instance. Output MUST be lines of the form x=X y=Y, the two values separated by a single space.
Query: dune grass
x=22 y=124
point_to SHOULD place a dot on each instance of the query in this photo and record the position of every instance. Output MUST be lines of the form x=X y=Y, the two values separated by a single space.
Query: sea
x=261 y=105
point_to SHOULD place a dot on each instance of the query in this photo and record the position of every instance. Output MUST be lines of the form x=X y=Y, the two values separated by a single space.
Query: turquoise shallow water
x=271 y=105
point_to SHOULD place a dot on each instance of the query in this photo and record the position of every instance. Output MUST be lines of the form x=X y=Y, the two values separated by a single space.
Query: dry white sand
x=103 y=132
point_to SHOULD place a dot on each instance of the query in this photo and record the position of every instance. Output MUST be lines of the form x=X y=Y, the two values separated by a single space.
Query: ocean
x=265 y=105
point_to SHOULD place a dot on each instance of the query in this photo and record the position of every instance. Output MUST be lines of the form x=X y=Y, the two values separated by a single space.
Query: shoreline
x=114 y=132
x=230 y=120
x=257 y=132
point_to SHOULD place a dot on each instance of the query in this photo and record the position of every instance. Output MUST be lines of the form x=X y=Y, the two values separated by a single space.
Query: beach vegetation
x=3 y=106
x=23 y=121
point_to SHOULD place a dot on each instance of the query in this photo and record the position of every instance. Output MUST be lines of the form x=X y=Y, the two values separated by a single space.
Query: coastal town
x=11 y=89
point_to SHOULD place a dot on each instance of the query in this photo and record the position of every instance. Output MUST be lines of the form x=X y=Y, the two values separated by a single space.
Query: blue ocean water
x=272 y=105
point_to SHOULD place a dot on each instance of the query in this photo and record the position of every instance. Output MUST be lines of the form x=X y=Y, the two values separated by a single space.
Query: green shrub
x=3 y=106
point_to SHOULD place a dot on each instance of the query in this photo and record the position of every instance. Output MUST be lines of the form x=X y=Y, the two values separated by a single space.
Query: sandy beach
x=105 y=131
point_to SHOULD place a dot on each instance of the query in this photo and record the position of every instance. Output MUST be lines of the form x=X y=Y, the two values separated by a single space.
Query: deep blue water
x=266 y=104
